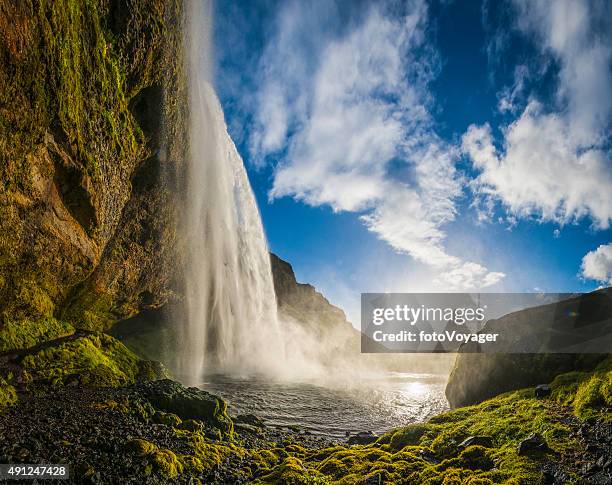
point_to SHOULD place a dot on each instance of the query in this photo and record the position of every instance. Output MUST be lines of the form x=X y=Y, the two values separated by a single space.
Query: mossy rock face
x=86 y=216
x=476 y=377
x=27 y=333
x=189 y=403
x=95 y=360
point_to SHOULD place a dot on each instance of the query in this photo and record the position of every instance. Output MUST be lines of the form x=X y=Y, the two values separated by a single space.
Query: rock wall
x=337 y=341
x=92 y=133
x=304 y=304
x=476 y=377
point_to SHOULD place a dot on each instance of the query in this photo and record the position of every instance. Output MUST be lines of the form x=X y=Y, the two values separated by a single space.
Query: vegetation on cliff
x=478 y=376
x=84 y=86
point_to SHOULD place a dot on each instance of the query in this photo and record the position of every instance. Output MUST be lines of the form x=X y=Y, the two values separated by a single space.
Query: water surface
x=375 y=405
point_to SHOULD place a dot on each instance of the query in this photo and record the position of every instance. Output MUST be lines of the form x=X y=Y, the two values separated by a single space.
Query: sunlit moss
x=292 y=472
x=430 y=453
x=28 y=333
x=95 y=360
x=8 y=395
x=589 y=393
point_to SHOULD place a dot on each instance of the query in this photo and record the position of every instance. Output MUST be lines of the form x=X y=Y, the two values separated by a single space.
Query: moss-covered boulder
x=189 y=403
x=96 y=360
x=24 y=334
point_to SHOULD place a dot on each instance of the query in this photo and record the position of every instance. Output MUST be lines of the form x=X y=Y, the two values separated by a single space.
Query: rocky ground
x=116 y=435
x=93 y=430
x=591 y=459
x=88 y=401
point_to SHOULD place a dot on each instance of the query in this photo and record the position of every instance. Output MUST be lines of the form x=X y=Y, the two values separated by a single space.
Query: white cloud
x=349 y=115
x=554 y=163
x=597 y=264
x=509 y=96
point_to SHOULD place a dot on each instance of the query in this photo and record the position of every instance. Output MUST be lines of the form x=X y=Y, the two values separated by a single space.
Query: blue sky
x=415 y=146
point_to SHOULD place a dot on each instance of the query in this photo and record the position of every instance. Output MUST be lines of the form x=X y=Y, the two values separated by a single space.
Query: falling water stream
x=230 y=340
x=231 y=323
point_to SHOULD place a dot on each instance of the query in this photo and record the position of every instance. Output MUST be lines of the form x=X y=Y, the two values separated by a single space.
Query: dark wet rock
x=84 y=428
x=250 y=419
x=188 y=403
x=362 y=438
x=248 y=428
x=542 y=390
x=193 y=425
x=605 y=462
x=374 y=479
x=428 y=457
x=532 y=444
x=485 y=441
x=553 y=475
x=168 y=419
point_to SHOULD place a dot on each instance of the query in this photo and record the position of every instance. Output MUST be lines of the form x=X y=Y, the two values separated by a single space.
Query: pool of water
x=374 y=404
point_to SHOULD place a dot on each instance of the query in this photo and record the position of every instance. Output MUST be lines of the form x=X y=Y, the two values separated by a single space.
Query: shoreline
x=118 y=432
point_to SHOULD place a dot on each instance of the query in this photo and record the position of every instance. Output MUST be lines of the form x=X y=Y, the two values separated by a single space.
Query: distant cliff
x=303 y=303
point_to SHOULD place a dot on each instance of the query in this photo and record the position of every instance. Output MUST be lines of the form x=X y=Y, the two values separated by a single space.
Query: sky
x=425 y=146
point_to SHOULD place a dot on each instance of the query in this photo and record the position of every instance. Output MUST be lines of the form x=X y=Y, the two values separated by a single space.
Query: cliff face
x=300 y=307
x=476 y=377
x=303 y=304
x=85 y=166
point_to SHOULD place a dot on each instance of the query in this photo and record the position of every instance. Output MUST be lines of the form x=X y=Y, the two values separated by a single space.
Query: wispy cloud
x=348 y=112
x=554 y=161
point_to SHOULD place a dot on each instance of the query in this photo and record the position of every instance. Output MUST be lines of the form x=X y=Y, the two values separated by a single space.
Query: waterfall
x=230 y=323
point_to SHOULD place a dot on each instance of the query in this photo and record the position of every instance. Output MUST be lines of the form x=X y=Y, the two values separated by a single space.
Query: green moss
x=472 y=458
x=96 y=360
x=8 y=395
x=135 y=407
x=265 y=459
x=292 y=472
x=90 y=310
x=89 y=84
x=410 y=435
x=71 y=71
x=30 y=293
x=588 y=393
x=205 y=455
x=210 y=454
x=28 y=333
x=429 y=453
x=167 y=419
x=140 y=447
x=193 y=425
x=167 y=463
